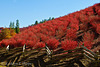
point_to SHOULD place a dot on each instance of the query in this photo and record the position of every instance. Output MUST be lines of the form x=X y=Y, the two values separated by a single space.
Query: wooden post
x=8 y=48
x=24 y=47
x=48 y=51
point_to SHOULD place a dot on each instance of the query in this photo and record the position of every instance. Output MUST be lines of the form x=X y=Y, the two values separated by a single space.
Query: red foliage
x=12 y=43
x=30 y=43
x=83 y=26
x=98 y=28
x=97 y=7
x=71 y=34
x=88 y=36
x=39 y=45
x=20 y=42
x=74 y=26
x=88 y=39
x=59 y=34
x=88 y=44
x=4 y=43
x=0 y=45
x=52 y=43
x=44 y=38
x=69 y=44
x=84 y=18
x=99 y=12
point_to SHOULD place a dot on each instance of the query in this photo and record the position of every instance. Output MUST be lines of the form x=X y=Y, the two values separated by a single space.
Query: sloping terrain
x=76 y=28
x=66 y=33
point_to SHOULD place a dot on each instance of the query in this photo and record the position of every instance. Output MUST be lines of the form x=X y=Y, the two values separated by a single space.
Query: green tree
x=31 y=25
x=53 y=18
x=41 y=22
x=17 y=26
x=49 y=18
x=44 y=20
x=36 y=22
x=11 y=25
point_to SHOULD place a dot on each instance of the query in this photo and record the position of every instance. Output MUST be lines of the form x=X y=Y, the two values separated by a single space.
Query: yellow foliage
x=12 y=32
x=7 y=33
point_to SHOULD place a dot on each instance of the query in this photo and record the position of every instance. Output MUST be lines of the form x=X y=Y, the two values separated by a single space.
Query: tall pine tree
x=17 y=26
x=11 y=25
x=36 y=22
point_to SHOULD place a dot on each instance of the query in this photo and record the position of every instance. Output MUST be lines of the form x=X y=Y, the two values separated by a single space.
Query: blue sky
x=28 y=11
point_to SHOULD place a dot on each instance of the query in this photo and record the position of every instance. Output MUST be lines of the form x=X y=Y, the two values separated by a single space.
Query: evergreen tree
x=53 y=18
x=49 y=18
x=44 y=20
x=17 y=26
x=32 y=25
x=36 y=22
x=11 y=25
x=41 y=22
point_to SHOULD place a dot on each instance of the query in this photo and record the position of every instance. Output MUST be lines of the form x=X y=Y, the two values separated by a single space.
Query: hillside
x=73 y=40
x=68 y=31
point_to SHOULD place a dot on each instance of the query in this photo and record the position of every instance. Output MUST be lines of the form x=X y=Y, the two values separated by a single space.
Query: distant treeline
x=37 y=22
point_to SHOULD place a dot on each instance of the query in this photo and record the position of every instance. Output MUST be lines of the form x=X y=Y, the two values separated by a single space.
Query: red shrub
x=30 y=44
x=94 y=25
x=68 y=44
x=83 y=26
x=44 y=38
x=20 y=42
x=98 y=28
x=0 y=45
x=71 y=34
x=59 y=33
x=87 y=44
x=88 y=39
x=4 y=43
x=12 y=43
x=84 y=18
x=74 y=26
x=52 y=43
x=39 y=45
x=99 y=12
x=88 y=36
x=97 y=7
